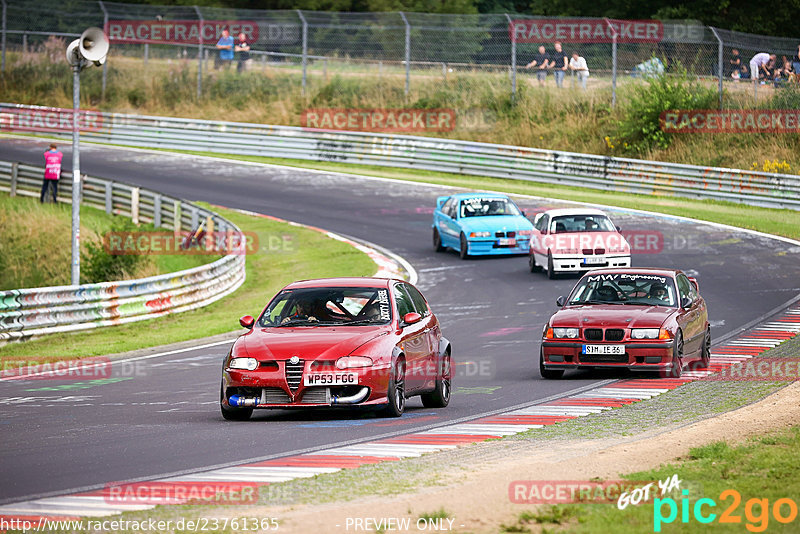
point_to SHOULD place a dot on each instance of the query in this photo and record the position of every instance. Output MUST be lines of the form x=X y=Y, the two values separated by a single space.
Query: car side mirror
x=560 y=301
x=411 y=318
x=247 y=321
x=618 y=228
x=524 y=213
x=694 y=282
x=686 y=302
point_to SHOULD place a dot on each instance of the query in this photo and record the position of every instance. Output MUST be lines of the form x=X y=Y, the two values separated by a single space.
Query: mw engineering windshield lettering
x=625 y=288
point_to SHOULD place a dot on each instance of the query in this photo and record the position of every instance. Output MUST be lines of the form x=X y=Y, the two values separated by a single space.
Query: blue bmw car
x=480 y=224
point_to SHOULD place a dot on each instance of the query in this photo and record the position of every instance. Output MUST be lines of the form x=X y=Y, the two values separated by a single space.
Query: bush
x=98 y=265
x=640 y=128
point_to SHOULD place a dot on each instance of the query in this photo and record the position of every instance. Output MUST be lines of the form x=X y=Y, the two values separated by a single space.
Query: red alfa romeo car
x=338 y=342
x=639 y=319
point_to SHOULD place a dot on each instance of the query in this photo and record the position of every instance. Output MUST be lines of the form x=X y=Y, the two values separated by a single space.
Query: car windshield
x=328 y=306
x=482 y=207
x=624 y=288
x=581 y=223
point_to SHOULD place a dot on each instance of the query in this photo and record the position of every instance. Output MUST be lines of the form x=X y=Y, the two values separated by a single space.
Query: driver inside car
x=606 y=294
x=302 y=312
x=659 y=292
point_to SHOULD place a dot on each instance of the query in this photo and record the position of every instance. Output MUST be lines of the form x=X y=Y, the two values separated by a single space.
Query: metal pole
x=408 y=51
x=719 y=62
x=146 y=54
x=513 y=58
x=613 y=63
x=76 y=174
x=3 y=60
x=199 y=52
x=305 y=47
x=105 y=63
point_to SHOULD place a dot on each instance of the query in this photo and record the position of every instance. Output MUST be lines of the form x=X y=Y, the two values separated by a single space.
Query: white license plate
x=604 y=349
x=507 y=241
x=330 y=379
x=594 y=261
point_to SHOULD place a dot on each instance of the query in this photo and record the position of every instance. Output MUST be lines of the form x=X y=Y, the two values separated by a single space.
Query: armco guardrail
x=483 y=159
x=30 y=312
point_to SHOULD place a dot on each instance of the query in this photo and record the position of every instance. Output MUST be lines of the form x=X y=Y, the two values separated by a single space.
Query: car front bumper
x=491 y=246
x=653 y=355
x=576 y=263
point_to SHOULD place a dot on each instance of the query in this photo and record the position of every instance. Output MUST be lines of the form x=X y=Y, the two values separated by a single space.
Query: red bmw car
x=638 y=319
x=338 y=342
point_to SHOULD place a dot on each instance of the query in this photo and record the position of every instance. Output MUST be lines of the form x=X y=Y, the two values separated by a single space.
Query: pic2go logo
x=756 y=511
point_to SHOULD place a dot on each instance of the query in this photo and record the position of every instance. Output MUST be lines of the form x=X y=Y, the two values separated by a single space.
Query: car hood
x=612 y=315
x=496 y=223
x=308 y=343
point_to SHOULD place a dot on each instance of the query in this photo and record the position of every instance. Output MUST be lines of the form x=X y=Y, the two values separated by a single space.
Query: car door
x=413 y=340
x=445 y=223
x=693 y=329
x=432 y=335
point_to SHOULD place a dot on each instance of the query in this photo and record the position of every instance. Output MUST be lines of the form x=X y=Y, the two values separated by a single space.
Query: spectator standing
x=578 y=65
x=542 y=62
x=244 y=53
x=735 y=65
x=560 y=64
x=225 y=47
x=52 y=172
x=758 y=65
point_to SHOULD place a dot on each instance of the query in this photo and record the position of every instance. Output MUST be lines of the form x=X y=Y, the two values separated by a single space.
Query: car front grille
x=316 y=395
x=611 y=358
x=593 y=334
x=615 y=334
x=274 y=396
x=294 y=374
x=505 y=234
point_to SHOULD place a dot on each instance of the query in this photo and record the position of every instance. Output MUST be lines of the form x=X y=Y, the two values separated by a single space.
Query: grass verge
x=781 y=222
x=35 y=244
x=303 y=253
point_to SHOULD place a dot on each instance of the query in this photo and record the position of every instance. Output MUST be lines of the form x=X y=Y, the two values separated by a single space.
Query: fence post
x=199 y=52
x=305 y=47
x=135 y=205
x=195 y=219
x=146 y=54
x=176 y=216
x=14 y=174
x=3 y=60
x=719 y=62
x=613 y=63
x=105 y=63
x=109 y=197
x=408 y=51
x=157 y=211
x=513 y=57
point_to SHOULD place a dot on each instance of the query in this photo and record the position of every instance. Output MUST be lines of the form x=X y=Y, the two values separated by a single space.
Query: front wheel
x=230 y=413
x=464 y=249
x=705 y=354
x=437 y=241
x=551 y=270
x=548 y=374
x=440 y=396
x=677 y=359
x=397 y=391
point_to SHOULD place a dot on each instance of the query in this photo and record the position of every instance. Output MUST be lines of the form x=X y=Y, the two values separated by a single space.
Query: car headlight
x=570 y=333
x=644 y=333
x=352 y=362
x=524 y=232
x=480 y=234
x=243 y=363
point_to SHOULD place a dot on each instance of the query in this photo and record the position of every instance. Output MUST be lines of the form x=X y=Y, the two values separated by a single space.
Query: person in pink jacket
x=52 y=172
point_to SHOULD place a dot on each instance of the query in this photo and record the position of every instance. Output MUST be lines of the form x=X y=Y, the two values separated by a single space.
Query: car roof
x=574 y=211
x=658 y=271
x=343 y=282
x=477 y=194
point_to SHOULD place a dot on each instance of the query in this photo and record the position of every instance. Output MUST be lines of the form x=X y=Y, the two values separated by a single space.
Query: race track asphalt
x=164 y=417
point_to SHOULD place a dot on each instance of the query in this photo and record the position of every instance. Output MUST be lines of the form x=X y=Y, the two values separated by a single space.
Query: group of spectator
x=765 y=67
x=559 y=63
x=227 y=47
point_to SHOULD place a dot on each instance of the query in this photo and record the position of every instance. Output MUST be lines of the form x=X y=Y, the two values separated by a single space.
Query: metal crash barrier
x=31 y=312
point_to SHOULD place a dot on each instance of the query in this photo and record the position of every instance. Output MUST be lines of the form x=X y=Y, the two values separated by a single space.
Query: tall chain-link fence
x=410 y=54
